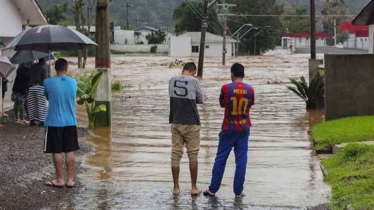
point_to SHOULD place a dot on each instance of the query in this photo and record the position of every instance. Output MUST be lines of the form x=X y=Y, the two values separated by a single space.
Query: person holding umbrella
x=36 y=101
x=19 y=92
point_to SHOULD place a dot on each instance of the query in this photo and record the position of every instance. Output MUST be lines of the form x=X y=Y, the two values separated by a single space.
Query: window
x=195 y=49
x=207 y=47
x=317 y=39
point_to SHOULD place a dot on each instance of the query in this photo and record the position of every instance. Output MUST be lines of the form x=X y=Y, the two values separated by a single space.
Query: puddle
x=131 y=167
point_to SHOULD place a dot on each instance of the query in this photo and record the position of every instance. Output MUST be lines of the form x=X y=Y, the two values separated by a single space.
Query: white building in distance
x=188 y=44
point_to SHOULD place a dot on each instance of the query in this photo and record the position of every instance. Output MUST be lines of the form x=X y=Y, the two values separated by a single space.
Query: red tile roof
x=347 y=26
x=307 y=35
x=362 y=33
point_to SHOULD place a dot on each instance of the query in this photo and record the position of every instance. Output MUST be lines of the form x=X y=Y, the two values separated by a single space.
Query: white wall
x=358 y=43
x=10 y=19
x=180 y=46
x=371 y=39
x=139 y=48
x=214 y=49
x=120 y=37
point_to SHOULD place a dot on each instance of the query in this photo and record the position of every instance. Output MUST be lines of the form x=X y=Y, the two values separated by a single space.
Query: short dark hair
x=42 y=60
x=61 y=65
x=237 y=70
x=190 y=66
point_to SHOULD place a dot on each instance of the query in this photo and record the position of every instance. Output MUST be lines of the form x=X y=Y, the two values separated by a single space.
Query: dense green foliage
x=56 y=14
x=312 y=94
x=297 y=24
x=156 y=37
x=351 y=175
x=188 y=17
x=160 y=12
x=87 y=87
x=341 y=38
x=354 y=129
x=333 y=7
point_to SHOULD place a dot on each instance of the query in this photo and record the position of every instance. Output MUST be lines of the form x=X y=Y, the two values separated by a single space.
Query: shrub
x=153 y=49
x=313 y=94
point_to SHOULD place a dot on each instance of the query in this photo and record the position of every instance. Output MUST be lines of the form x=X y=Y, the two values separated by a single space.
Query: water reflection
x=131 y=166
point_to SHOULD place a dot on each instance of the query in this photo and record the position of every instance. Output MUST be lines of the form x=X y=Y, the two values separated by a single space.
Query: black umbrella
x=28 y=56
x=49 y=38
x=366 y=16
x=2 y=43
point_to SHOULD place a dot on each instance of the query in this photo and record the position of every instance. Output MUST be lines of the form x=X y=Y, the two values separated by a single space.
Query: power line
x=199 y=15
x=248 y=15
x=211 y=26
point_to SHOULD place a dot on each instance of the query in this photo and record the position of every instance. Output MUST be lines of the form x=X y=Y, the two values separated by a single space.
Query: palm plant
x=87 y=87
x=312 y=94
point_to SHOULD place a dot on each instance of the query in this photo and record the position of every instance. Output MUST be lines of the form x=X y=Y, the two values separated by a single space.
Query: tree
x=56 y=14
x=297 y=24
x=188 y=17
x=156 y=37
x=333 y=7
x=266 y=40
x=341 y=38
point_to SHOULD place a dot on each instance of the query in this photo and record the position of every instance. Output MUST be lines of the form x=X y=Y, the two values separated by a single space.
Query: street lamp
x=239 y=38
x=254 y=47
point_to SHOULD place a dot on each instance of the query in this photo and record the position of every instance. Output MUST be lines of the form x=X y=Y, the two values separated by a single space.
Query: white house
x=302 y=40
x=188 y=44
x=129 y=37
x=358 y=35
x=15 y=16
x=365 y=19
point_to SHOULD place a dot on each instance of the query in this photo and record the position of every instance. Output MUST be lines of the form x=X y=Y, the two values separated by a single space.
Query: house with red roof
x=358 y=35
x=302 y=40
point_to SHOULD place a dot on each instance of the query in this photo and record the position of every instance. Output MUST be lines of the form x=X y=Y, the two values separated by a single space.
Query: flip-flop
x=196 y=194
x=51 y=184
x=208 y=193
x=70 y=186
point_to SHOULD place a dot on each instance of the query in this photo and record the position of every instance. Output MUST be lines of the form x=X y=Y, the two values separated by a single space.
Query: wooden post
x=103 y=94
x=202 y=42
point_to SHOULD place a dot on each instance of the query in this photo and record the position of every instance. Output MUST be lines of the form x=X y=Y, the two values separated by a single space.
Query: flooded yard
x=131 y=166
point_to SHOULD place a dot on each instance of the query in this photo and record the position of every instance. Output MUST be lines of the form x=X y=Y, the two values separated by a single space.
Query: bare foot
x=195 y=191
x=55 y=183
x=70 y=184
x=176 y=191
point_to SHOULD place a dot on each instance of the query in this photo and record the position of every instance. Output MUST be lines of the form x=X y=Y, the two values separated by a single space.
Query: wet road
x=131 y=167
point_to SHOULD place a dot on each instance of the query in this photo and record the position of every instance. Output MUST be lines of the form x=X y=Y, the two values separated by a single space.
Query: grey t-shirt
x=185 y=93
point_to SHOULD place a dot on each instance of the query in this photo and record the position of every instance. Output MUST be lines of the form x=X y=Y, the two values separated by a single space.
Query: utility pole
x=225 y=29
x=102 y=63
x=138 y=19
x=224 y=50
x=202 y=41
x=237 y=45
x=335 y=28
x=127 y=14
x=313 y=49
x=254 y=47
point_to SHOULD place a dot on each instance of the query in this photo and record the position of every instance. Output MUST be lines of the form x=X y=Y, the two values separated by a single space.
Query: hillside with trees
x=159 y=13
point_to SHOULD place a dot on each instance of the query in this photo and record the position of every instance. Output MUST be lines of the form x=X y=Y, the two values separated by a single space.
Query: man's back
x=185 y=94
x=238 y=98
x=61 y=92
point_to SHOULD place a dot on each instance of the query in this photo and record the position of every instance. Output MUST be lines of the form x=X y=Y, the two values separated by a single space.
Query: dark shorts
x=61 y=139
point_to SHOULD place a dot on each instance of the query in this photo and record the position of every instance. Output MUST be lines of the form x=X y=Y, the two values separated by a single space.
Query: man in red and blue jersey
x=237 y=98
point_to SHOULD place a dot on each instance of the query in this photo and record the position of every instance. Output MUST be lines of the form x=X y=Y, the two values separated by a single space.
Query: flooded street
x=131 y=166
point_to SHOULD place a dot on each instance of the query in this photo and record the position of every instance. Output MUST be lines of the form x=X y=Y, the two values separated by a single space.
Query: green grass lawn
x=353 y=129
x=351 y=175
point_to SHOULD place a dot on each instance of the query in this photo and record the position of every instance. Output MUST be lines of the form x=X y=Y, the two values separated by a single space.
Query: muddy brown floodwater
x=131 y=166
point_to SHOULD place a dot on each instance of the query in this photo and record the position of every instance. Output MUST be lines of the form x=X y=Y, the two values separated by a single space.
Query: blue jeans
x=228 y=140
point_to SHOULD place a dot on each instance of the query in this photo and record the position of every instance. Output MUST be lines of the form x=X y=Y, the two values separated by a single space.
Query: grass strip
x=351 y=176
x=347 y=130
